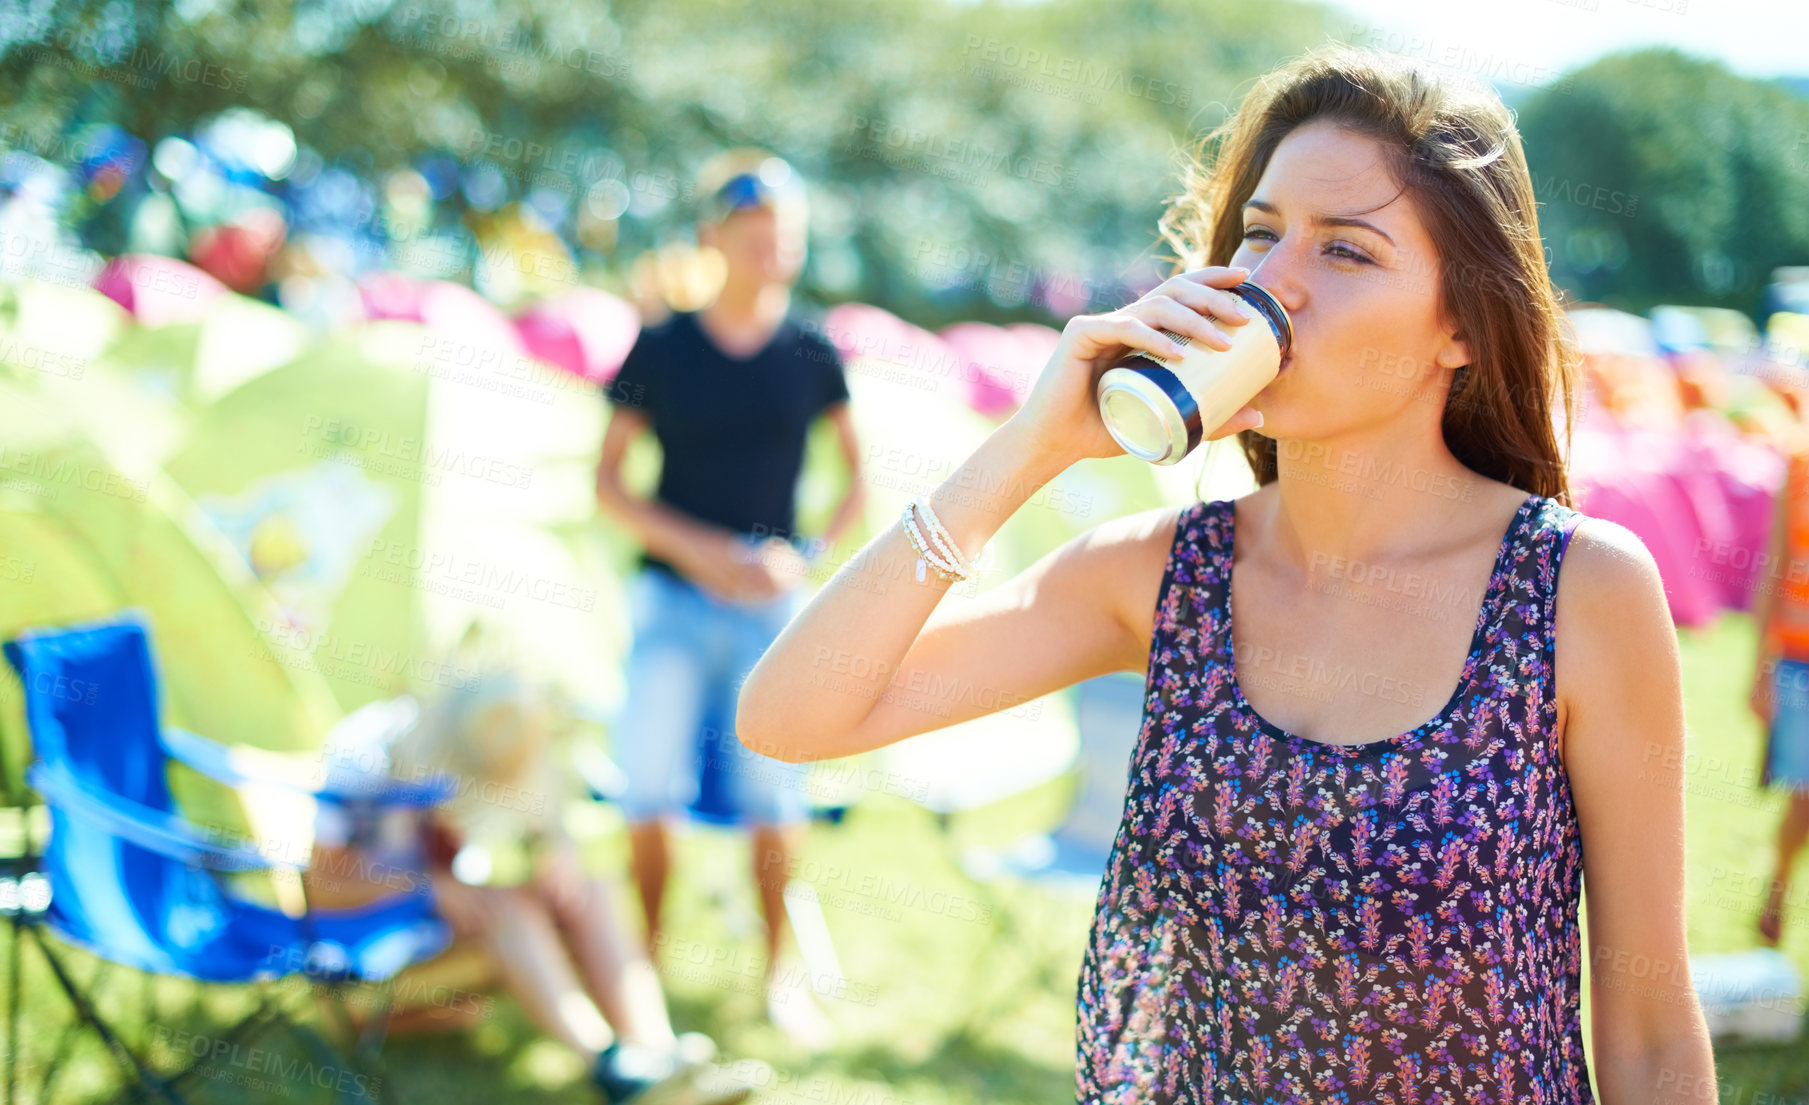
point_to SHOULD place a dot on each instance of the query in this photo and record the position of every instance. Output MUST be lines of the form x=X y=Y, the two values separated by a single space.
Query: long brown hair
x=1453 y=147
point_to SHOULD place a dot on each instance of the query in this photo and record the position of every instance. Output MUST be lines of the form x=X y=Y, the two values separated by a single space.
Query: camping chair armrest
x=311 y=775
x=151 y=829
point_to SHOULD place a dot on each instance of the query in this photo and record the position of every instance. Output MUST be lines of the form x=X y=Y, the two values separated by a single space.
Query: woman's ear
x=1455 y=353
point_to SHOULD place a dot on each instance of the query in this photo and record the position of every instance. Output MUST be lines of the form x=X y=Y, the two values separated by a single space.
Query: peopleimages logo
x=403 y=456
x=511 y=49
x=57 y=472
x=1008 y=60
x=82 y=691
x=228 y=1055
x=484 y=582
x=948 y=155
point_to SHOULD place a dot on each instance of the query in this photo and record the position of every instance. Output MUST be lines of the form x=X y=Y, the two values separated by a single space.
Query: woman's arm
x=1619 y=674
x=873 y=659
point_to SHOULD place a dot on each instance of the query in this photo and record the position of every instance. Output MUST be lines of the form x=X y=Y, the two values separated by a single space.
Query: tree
x=962 y=156
x=1664 y=178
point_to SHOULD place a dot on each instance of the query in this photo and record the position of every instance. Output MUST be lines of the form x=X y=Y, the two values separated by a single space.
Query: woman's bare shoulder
x=1612 y=622
x=1606 y=567
x=1128 y=556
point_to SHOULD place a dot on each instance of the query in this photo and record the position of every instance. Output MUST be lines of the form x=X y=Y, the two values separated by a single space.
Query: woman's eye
x=1336 y=249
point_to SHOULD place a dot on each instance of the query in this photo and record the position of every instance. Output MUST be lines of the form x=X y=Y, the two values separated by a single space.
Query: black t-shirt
x=733 y=431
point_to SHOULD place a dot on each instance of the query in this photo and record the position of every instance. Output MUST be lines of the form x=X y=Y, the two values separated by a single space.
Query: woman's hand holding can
x=1060 y=418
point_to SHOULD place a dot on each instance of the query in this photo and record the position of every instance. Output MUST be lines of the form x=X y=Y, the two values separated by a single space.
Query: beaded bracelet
x=939 y=549
x=926 y=556
x=939 y=534
x=938 y=539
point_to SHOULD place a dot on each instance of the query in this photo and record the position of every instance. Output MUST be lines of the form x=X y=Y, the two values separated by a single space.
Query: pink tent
x=1747 y=476
x=876 y=343
x=1039 y=340
x=587 y=332
x=158 y=290
x=1000 y=363
x=988 y=367
x=860 y=329
x=450 y=310
x=1651 y=507
x=1698 y=497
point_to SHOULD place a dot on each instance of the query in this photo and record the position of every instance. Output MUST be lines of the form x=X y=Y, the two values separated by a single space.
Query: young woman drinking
x=1360 y=811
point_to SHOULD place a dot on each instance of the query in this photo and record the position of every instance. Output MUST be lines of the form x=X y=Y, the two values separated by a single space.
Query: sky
x=1520 y=39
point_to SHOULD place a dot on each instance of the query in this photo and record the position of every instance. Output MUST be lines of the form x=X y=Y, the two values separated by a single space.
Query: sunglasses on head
x=743 y=190
x=755 y=189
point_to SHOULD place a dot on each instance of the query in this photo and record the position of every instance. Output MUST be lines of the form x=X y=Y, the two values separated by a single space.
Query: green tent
x=270 y=461
x=80 y=538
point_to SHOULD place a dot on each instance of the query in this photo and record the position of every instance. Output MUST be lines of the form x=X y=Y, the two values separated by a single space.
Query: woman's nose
x=1279 y=273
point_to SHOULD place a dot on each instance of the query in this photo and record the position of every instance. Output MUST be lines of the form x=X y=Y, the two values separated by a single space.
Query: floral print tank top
x=1289 y=920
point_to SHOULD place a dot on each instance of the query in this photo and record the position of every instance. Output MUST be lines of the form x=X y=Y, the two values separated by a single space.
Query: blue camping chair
x=134 y=883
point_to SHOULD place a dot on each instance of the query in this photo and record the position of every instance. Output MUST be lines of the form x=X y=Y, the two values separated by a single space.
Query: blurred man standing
x=730 y=392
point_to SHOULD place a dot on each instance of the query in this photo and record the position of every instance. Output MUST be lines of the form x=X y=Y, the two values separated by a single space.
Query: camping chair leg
x=366 y=1041
x=248 y=1029
x=334 y=997
x=64 y=1044
x=369 y=1048
x=269 y=1013
x=57 y=1058
x=12 y=1012
x=273 y=1011
x=128 y=1062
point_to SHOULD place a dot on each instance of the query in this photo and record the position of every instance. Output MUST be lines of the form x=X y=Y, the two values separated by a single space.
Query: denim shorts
x=1787 y=750
x=690 y=654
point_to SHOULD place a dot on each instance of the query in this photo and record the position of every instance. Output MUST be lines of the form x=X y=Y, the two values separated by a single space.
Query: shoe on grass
x=632 y=1074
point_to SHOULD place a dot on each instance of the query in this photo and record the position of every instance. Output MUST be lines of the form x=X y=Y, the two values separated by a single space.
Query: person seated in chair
x=552 y=940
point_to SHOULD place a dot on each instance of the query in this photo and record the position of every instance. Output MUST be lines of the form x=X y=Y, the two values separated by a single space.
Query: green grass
x=1731 y=826
x=959 y=999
